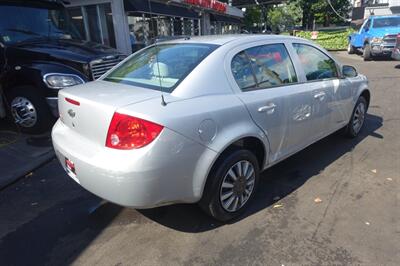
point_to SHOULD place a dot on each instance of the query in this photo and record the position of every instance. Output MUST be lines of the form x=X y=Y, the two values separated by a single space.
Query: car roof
x=227 y=38
x=385 y=16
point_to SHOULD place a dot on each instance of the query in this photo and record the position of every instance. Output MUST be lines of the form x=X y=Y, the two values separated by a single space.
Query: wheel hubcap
x=237 y=186
x=24 y=112
x=359 y=117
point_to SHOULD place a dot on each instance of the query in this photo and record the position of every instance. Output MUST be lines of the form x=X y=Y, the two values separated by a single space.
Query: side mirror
x=349 y=72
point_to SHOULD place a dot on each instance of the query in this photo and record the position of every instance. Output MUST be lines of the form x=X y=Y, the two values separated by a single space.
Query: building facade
x=362 y=9
x=129 y=25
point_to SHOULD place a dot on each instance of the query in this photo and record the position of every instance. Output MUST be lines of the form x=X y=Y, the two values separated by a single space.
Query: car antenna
x=163 y=102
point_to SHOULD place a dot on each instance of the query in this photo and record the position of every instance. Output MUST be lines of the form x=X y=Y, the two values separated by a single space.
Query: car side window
x=242 y=71
x=316 y=64
x=367 y=25
x=270 y=65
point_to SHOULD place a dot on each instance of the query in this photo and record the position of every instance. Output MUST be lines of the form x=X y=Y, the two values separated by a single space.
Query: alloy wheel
x=359 y=117
x=237 y=186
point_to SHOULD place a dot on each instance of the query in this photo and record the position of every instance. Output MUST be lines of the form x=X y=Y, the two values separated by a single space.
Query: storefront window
x=164 y=26
x=188 y=28
x=177 y=27
x=77 y=20
x=197 y=29
x=137 y=29
x=153 y=27
x=95 y=22
x=216 y=27
x=106 y=10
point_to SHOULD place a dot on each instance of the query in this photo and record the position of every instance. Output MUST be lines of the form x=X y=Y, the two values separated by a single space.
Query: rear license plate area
x=70 y=169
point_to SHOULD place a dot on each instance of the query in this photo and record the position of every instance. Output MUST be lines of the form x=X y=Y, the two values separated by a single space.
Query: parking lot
x=335 y=203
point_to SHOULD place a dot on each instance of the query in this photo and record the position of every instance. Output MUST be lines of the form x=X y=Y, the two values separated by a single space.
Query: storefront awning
x=141 y=6
x=220 y=18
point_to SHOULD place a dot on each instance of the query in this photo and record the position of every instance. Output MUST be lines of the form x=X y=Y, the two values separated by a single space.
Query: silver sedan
x=197 y=120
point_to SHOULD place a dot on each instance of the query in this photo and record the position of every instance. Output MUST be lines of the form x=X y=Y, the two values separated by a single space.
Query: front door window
x=316 y=64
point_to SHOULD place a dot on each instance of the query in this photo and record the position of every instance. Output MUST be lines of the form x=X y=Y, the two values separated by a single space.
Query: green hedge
x=330 y=40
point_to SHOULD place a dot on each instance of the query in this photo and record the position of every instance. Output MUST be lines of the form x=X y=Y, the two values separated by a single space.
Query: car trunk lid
x=88 y=109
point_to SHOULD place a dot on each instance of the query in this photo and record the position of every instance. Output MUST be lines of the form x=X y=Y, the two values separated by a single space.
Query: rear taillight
x=128 y=132
x=71 y=101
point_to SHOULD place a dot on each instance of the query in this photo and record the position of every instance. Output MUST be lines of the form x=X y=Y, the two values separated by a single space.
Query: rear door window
x=263 y=67
x=242 y=71
x=272 y=65
x=316 y=64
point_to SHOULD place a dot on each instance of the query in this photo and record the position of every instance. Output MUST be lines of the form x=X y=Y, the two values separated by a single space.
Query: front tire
x=231 y=185
x=367 y=52
x=29 y=110
x=357 y=118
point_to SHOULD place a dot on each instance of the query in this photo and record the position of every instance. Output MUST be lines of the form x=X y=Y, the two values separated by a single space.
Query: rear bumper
x=158 y=174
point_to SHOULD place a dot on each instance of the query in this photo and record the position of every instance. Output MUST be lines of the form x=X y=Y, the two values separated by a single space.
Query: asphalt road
x=48 y=219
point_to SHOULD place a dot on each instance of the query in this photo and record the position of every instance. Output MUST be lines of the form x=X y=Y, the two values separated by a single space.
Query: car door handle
x=320 y=96
x=270 y=108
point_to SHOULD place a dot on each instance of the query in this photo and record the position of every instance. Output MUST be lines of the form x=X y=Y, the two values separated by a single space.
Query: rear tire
x=357 y=119
x=225 y=198
x=29 y=110
x=367 y=52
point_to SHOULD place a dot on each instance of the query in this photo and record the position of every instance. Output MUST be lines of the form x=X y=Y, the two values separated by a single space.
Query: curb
x=26 y=169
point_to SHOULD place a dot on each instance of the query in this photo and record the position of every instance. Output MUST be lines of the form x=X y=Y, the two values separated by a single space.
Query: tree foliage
x=252 y=16
x=284 y=17
x=296 y=12
x=322 y=12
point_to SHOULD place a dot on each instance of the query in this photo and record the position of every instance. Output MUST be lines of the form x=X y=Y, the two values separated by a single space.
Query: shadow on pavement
x=376 y=58
x=59 y=234
x=280 y=180
x=63 y=231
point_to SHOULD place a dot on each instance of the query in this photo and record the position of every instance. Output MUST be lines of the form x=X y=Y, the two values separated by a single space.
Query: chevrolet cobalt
x=197 y=120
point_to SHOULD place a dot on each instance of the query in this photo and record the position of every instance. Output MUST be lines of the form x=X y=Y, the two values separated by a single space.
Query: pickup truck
x=42 y=52
x=377 y=37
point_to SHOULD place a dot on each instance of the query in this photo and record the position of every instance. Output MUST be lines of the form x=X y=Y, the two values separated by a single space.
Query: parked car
x=396 y=50
x=41 y=52
x=196 y=120
x=376 y=37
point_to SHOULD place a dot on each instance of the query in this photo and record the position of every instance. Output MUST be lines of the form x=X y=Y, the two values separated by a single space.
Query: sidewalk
x=21 y=154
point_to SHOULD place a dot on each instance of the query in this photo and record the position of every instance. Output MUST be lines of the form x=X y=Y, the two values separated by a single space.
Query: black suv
x=41 y=52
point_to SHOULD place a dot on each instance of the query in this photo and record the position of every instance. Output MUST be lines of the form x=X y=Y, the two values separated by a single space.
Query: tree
x=321 y=11
x=252 y=16
x=325 y=15
x=284 y=17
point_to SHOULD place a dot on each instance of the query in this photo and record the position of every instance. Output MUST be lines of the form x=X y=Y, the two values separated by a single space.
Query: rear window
x=160 y=67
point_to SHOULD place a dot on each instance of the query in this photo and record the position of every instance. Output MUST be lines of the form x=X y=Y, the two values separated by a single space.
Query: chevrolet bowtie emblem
x=71 y=113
